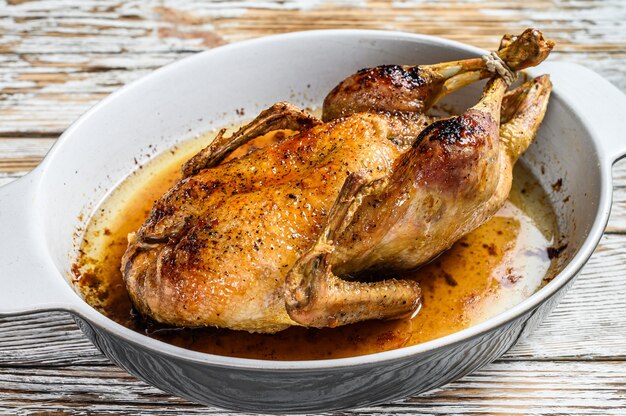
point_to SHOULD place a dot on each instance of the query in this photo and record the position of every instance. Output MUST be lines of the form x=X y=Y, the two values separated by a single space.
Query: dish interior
x=493 y=268
x=196 y=95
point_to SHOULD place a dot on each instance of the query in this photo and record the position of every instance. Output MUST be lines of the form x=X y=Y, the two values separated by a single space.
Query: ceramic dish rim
x=584 y=252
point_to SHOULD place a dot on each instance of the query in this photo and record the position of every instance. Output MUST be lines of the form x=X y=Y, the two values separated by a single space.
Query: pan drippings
x=493 y=268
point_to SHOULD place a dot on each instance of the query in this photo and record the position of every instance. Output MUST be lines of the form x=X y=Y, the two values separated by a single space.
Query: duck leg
x=523 y=110
x=315 y=297
x=282 y=115
x=436 y=193
x=414 y=89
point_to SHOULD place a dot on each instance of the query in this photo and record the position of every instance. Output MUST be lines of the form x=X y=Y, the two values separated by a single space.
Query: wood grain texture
x=59 y=57
x=77 y=52
x=588 y=388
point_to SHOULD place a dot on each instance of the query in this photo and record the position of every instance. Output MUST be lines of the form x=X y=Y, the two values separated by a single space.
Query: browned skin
x=414 y=89
x=315 y=297
x=456 y=176
x=218 y=246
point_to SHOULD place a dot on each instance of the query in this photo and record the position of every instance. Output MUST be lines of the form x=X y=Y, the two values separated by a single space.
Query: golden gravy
x=491 y=269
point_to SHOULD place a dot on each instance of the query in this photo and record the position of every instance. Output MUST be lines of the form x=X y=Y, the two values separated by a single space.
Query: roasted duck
x=284 y=234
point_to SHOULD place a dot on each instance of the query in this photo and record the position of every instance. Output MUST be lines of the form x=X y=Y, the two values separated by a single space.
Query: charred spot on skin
x=160 y=211
x=554 y=252
x=396 y=75
x=458 y=130
x=191 y=244
x=400 y=76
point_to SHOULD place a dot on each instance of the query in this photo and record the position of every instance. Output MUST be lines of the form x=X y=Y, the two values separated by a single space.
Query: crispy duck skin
x=267 y=240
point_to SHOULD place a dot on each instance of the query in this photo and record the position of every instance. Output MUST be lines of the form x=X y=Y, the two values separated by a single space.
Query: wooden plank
x=80 y=52
x=503 y=387
x=20 y=155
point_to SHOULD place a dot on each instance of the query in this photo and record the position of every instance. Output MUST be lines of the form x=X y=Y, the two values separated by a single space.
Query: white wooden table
x=57 y=58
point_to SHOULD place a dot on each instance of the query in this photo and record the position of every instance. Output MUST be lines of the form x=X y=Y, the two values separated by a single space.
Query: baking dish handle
x=597 y=102
x=29 y=281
